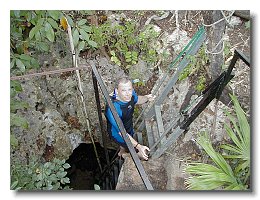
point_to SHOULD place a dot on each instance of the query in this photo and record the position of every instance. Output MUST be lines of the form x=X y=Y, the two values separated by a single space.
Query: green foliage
x=201 y=85
x=197 y=63
x=114 y=58
x=240 y=135
x=131 y=57
x=16 y=88
x=230 y=171
x=39 y=176
x=13 y=141
x=31 y=31
x=81 y=35
x=15 y=119
x=125 y=42
x=19 y=121
x=140 y=83
x=227 y=54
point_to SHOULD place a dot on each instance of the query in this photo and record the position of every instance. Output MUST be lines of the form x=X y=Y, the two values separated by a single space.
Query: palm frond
x=241 y=149
x=220 y=174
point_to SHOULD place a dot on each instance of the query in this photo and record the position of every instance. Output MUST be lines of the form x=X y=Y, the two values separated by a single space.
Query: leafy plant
x=39 y=176
x=196 y=65
x=31 y=31
x=240 y=135
x=114 y=58
x=230 y=171
x=15 y=119
x=125 y=43
x=81 y=34
x=131 y=57
x=201 y=85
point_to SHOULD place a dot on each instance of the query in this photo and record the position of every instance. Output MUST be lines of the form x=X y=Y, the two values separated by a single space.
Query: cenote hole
x=85 y=171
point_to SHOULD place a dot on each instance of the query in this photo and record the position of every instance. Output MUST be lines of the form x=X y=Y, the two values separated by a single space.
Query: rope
x=223 y=38
x=224 y=18
x=81 y=92
x=212 y=51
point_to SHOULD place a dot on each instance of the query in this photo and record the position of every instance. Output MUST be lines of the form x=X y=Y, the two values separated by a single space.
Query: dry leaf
x=64 y=23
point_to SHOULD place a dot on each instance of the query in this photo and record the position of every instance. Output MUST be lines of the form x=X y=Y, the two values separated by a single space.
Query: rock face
x=130 y=179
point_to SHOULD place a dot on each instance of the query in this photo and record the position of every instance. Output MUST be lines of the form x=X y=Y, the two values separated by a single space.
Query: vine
x=197 y=63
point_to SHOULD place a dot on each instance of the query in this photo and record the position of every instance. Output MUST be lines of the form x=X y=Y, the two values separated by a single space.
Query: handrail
x=214 y=90
x=133 y=154
x=182 y=56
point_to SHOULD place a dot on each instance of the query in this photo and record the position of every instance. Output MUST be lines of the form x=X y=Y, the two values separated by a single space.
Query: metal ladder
x=152 y=115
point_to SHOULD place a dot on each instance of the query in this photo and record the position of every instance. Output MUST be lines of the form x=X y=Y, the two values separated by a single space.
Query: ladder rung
x=139 y=137
x=158 y=116
x=173 y=137
x=149 y=132
x=155 y=131
x=172 y=124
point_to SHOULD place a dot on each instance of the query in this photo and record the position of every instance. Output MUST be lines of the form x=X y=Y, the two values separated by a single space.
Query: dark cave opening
x=85 y=171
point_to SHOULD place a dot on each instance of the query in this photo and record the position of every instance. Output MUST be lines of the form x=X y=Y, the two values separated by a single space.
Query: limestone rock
x=129 y=178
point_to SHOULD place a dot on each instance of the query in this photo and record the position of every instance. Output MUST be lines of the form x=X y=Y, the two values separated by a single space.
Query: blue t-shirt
x=125 y=111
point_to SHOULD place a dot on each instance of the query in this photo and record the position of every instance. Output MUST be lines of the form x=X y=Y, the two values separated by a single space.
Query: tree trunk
x=215 y=45
x=217 y=58
x=244 y=14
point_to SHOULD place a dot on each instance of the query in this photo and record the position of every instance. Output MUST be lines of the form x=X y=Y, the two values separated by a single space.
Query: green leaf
x=128 y=54
x=49 y=187
x=16 y=85
x=92 y=43
x=16 y=104
x=75 y=37
x=17 y=13
x=56 y=186
x=49 y=32
x=53 y=23
x=25 y=57
x=84 y=35
x=53 y=178
x=134 y=54
x=66 y=165
x=113 y=53
x=16 y=120
x=14 y=184
x=13 y=141
x=96 y=187
x=36 y=29
x=61 y=174
x=35 y=63
x=47 y=165
x=65 y=180
x=70 y=21
x=55 y=14
x=20 y=65
x=43 y=46
x=86 y=28
x=33 y=31
x=82 y=22
x=38 y=36
x=81 y=45
x=12 y=63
